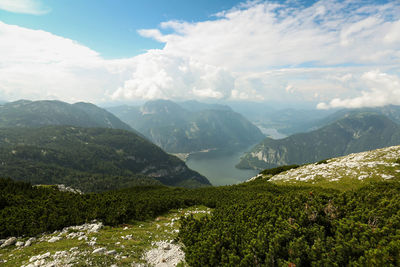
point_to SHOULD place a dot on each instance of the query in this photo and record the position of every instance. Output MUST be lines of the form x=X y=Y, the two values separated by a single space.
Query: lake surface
x=219 y=166
x=271 y=132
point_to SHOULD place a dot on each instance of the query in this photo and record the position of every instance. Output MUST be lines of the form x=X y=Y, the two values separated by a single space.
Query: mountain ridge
x=88 y=157
x=355 y=133
x=178 y=130
x=26 y=113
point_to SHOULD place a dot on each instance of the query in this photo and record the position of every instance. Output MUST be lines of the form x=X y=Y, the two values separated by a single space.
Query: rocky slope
x=353 y=133
x=347 y=171
x=189 y=126
x=93 y=244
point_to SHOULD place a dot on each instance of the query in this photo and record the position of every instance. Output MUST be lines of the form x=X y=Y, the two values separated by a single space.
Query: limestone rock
x=99 y=250
x=9 y=242
x=54 y=239
x=19 y=244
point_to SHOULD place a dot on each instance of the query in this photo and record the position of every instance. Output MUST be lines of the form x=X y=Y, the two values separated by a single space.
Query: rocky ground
x=150 y=243
x=380 y=164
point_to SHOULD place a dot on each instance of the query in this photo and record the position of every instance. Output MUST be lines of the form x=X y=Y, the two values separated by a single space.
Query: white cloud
x=36 y=64
x=260 y=37
x=384 y=89
x=158 y=75
x=34 y=7
x=258 y=41
x=255 y=51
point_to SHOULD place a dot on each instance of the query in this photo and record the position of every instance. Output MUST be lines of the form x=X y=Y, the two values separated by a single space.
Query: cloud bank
x=338 y=53
x=384 y=89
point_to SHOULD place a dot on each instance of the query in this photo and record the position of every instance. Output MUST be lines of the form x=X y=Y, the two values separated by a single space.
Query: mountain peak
x=161 y=106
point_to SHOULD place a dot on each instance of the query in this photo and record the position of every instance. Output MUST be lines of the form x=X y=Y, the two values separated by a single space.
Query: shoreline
x=185 y=156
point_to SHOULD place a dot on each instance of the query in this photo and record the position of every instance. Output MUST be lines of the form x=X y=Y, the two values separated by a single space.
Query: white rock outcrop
x=9 y=242
x=378 y=163
x=165 y=254
x=54 y=239
x=99 y=250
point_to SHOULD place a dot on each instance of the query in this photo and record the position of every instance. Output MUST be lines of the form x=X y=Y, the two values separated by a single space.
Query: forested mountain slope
x=91 y=159
x=189 y=127
x=353 y=133
x=25 y=113
x=267 y=222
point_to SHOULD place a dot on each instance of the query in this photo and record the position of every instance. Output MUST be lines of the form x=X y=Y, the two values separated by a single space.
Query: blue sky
x=334 y=53
x=110 y=26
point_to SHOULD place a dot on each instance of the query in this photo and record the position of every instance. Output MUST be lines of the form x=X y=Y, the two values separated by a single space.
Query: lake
x=219 y=166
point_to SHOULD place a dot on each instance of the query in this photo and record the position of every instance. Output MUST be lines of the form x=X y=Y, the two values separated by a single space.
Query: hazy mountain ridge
x=290 y=121
x=178 y=130
x=25 y=113
x=354 y=133
x=390 y=111
x=89 y=158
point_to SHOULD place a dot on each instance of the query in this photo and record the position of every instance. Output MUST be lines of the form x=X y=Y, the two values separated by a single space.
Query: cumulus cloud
x=256 y=51
x=158 y=75
x=266 y=45
x=265 y=35
x=384 y=89
x=36 y=64
x=34 y=7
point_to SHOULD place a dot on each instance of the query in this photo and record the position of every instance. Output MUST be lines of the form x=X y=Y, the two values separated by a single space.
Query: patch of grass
x=128 y=249
x=343 y=184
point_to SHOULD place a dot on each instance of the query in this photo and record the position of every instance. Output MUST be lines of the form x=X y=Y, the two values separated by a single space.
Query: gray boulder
x=9 y=242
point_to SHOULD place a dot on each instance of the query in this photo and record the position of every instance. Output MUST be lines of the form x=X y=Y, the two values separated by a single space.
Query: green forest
x=89 y=159
x=253 y=224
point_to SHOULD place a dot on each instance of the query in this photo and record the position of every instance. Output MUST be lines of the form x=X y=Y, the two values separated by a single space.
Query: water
x=219 y=166
x=271 y=132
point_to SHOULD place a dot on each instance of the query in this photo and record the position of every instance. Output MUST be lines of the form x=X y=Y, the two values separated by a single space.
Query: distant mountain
x=90 y=159
x=290 y=121
x=25 y=113
x=354 y=133
x=195 y=106
x=390 y=111
x=189 y=126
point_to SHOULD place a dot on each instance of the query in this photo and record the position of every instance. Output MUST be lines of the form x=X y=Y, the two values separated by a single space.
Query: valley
x=265 y=220
x=106 y=195
x=219 y=166
x=191 y=126
x=199 y=133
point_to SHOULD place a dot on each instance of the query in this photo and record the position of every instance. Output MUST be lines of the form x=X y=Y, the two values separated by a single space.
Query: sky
x=331 y=53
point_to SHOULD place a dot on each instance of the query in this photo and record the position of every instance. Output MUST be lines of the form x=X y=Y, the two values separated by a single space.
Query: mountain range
x=292 y=121
x=90 y=159
x=189 y=126
x=26 y=113
x=84 y=146
x=354 y=132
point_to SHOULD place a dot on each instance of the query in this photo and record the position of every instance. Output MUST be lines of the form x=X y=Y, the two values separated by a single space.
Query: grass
x=348 y=181
x=374 y=166
x=128 y=250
